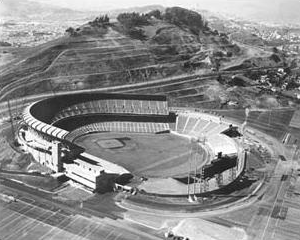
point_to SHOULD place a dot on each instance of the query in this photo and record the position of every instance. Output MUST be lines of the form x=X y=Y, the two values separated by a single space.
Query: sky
x=110 y=4
x=105 y=5
x=258 y=10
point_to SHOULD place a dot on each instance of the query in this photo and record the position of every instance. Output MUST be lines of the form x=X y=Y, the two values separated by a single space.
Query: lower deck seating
x=190 y=125
x=133 y=127
x=198 y=124
x=209 y=127
x=181 y=122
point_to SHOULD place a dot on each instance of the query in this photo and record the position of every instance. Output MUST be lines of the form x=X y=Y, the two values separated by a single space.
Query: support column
x=56 y=163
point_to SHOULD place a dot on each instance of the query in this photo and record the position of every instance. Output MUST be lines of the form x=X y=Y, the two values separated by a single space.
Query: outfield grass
x=160 y=155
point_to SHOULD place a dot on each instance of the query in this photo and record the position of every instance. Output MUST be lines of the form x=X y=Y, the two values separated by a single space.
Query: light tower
x=11 y=119
x=189 y=175
x=192 y=160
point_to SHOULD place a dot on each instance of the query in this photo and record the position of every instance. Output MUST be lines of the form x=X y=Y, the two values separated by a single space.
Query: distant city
x=28 y=34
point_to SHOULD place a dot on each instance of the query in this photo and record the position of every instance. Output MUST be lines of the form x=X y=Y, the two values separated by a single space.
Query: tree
x=205 y=25
x=186 y=18
x=130 y=20
x=154 y=13
x=71 y=31
x=275 y=50
x=100 y=21
x=220 y=79
x=106 y=19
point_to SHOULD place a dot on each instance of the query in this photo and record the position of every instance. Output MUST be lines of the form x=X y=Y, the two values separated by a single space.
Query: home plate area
x=110 y=143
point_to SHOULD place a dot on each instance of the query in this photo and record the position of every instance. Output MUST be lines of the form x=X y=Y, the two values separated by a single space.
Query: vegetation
x=185 y=18
x=131 y=20
x=71 y=31
x=101 y=21
x=137 y=34
x=175 y=42
x=5 y=44
x=155 y=13
x=176 y=15
x=98 y=23
x=130 y=23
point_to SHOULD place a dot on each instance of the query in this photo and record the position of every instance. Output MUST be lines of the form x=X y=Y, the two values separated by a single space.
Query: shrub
x=71 y=31
x=100 y=21
x=186 y=18
x=130 y=20
x=137 y=34
x=155 y=13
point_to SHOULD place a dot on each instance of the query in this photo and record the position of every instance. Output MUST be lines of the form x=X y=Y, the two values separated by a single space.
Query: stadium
x=107 y=141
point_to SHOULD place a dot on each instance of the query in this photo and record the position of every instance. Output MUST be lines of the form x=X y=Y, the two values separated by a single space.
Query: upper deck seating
x=114 y=106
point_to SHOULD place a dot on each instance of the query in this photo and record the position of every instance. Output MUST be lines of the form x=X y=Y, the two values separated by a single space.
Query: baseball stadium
x=107 y=141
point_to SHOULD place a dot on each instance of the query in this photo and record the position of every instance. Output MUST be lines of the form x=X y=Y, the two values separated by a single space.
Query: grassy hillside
x=137 y=48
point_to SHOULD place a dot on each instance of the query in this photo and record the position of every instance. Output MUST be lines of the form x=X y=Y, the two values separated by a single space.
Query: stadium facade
x=50 y=127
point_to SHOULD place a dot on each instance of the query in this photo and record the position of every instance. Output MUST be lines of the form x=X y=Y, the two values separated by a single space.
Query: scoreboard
x=218 y=166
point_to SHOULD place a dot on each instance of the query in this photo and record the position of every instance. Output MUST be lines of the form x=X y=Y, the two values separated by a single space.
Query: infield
x=148 y=155
x=110 y=143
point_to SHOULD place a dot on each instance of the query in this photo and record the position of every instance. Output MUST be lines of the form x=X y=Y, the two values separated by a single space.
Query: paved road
x=36 y=216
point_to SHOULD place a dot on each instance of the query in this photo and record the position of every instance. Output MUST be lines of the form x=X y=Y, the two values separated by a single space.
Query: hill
x=25 y=10
x=268 y=11
x=136 y=49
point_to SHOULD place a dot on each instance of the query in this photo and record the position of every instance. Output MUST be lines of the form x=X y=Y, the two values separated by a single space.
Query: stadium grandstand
x=50 y=127
x=134 y=127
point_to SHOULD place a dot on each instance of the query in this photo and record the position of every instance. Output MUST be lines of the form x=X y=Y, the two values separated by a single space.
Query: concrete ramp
x=295 y=121
x=196 y=229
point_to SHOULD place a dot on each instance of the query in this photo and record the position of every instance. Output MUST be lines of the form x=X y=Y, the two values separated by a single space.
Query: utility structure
x=189 y=175
x=11 y=119
x=193 y=177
